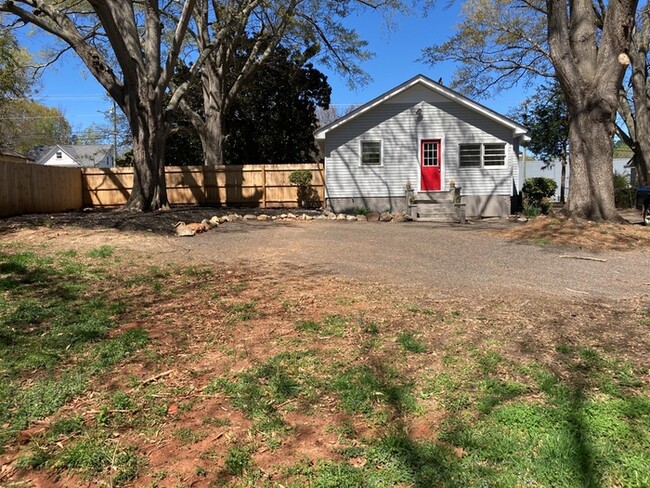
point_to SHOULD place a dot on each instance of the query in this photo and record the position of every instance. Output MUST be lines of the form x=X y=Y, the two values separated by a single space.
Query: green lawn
x=104 y=352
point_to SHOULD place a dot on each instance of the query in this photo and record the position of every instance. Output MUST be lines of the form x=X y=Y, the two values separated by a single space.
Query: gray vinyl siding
x=400 y=129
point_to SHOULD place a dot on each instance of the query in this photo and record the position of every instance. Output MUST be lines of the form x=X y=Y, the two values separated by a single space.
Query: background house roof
x=519 y=130
x=89 y=155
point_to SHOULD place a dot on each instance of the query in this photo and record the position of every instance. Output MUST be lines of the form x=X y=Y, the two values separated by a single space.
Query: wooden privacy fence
x=30 y=188
x=255 y=185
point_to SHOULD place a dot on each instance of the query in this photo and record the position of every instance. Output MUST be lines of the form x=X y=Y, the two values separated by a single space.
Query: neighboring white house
x=76 y=156
x=534 y=168
x=427 y=136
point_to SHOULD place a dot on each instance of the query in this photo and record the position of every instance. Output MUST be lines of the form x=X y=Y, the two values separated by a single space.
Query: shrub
x=302 y=179
x=538 y=192
x=624 y=194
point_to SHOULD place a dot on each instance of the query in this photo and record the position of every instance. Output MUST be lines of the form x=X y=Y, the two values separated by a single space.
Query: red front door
x=430 y=163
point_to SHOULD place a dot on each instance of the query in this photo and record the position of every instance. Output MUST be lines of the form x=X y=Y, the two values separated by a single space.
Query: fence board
x=235 y=185
x=31 y=188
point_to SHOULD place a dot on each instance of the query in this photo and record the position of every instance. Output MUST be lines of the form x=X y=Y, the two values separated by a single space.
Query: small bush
x=538 y=192
x=624 y=194
x=302 y=179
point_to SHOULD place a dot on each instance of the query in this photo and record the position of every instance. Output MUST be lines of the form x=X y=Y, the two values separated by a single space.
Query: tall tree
x=224 y=25
x=588 y=45
x=546 y=117
x=25 y=124
x=14 y=74
x=272 y=119
x=634 y=100
x=122 y=44
x=581 y=43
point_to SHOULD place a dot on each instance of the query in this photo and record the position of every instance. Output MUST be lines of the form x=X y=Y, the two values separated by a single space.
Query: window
x=430 y=153
x=59 y=155
x=482 y=155
x=470 y=155
x=370 y=153
x=494 y=154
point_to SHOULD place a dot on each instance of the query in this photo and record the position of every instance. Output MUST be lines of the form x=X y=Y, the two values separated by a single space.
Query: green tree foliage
x=272 y=120
x=498 y=44
x=26 y=124
x=14 y=76
x=582 y=43
x=546 y=117
x=538 y=192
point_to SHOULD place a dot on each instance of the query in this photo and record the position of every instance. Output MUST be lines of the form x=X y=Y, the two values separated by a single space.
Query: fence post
x=264 y=185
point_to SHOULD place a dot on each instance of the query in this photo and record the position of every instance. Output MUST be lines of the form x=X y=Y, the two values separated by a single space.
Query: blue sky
x=71 y=88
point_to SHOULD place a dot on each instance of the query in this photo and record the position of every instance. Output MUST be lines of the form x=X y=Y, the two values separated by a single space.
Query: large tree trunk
x=212 y=133
x=588 y=53
x=149 y=136
x=212 y=139
x=591 y=131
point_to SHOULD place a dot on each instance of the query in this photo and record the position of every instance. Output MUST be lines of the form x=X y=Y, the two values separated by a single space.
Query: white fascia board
x=518 y=130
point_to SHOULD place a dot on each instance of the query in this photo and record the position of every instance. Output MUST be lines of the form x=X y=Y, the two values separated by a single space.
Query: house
x=534 y=168
x=12 y=157
x=425 y=136
x=76 y=156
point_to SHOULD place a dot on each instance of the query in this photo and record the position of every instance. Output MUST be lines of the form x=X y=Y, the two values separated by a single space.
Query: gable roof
x=87 y=156
x=518 y=129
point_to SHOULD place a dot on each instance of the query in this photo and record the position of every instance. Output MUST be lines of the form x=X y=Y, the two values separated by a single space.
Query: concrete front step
x=434 y=197
x=441 y=212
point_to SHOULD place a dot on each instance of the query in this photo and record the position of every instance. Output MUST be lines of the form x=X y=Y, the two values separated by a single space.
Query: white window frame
x=381 y=152
x=482 y=164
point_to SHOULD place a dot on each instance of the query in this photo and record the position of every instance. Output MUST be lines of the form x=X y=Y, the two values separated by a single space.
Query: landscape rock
x=250 y=217
x=350 y=218
x=328 y=213
x=291 y=216
x=262 y=217
x=373 y=217
x=399 y=217
x=341 y=216
x=362 y=218
x=385 y=217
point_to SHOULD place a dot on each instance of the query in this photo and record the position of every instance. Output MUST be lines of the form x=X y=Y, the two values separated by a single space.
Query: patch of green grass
x=410 y=343
x=308 y=326
x=335 y=325
x=188 y=436
x=101 y=252
x=238 y=460
x=50 y=323
x=241 y=312
x=362 y=388
x=260 y=391
x=93 y=455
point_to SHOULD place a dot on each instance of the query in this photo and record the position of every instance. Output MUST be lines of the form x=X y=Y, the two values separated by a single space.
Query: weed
x=201 y=272
x=102 y=252
x=360 y=388
x=335 y=325
x=372 y=328
x=408 y=341
x=238 y=459
x=308 y=326
x=241 y=312
x=188 y=436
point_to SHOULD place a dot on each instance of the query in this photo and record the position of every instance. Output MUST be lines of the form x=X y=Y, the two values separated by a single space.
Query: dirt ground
x=497 y=283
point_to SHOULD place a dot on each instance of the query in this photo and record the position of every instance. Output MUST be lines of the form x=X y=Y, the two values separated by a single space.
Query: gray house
x=424 y=136
x=74 y=155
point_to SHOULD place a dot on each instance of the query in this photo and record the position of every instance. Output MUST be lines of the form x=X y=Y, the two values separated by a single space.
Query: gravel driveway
x=428 y=256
